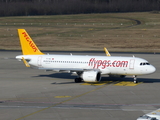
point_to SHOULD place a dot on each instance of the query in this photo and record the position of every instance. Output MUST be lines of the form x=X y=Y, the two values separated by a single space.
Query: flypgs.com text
x=107 y=63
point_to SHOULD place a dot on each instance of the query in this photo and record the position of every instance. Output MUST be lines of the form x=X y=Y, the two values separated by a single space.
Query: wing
x=154 y=115
x=68 y=69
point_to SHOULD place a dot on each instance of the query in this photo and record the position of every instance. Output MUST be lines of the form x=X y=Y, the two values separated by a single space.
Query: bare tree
x=50 y=7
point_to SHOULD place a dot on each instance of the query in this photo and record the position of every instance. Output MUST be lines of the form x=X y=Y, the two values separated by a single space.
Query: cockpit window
x=144 y=63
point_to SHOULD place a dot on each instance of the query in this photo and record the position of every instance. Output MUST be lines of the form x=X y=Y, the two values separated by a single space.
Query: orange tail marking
x=27 y=44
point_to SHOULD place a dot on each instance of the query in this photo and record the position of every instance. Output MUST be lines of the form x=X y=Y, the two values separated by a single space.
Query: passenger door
x=131 y=63
x=39 y=61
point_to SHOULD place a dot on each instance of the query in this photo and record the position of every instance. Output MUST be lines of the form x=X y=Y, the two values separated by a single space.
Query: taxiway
x=30 y=94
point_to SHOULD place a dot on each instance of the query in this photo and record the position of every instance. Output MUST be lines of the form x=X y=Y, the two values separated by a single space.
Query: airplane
x=154 y=115
x=88 y=68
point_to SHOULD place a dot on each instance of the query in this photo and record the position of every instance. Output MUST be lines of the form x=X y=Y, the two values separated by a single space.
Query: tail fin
x=27 y=44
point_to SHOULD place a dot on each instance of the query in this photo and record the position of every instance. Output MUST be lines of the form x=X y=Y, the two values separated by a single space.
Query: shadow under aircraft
x=103 y=79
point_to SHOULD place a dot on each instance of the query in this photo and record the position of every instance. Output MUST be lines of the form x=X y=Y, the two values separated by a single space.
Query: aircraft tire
x=135 y=81
x=78 y=80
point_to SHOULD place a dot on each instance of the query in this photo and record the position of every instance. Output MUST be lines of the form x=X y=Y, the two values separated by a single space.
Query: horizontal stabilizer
x=25 y=62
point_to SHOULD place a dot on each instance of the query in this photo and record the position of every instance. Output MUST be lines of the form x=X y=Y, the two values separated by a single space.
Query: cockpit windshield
x=144 y=63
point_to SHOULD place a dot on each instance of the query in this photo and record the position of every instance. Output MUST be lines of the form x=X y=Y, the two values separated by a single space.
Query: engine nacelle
x=91 y=76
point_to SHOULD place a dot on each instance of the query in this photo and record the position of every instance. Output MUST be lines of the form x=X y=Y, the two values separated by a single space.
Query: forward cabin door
x=131 y=63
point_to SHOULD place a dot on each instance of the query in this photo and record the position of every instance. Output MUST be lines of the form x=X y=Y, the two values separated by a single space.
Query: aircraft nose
x=152 y=69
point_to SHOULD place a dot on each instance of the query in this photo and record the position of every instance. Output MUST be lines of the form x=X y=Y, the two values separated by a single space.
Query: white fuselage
x=88 y=68
x=106 y=65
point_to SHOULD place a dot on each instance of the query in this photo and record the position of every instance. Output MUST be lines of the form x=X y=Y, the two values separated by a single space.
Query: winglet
x=27 y=44
x=106 y=51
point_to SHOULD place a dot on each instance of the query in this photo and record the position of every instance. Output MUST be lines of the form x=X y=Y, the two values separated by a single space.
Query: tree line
x=56 y=7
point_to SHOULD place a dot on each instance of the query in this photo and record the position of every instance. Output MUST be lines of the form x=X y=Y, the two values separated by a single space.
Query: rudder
x=27 y=44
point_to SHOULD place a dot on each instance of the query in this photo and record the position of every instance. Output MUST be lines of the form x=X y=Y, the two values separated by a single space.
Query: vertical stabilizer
x=27 y=44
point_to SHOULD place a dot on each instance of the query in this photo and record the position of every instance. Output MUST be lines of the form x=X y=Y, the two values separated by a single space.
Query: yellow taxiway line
x=118 y=83
x=124 y=83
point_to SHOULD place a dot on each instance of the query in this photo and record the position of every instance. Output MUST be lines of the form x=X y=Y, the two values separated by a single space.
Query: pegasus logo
x=31 y=44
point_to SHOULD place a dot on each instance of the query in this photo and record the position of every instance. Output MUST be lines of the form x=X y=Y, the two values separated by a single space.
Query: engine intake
x=91 y=76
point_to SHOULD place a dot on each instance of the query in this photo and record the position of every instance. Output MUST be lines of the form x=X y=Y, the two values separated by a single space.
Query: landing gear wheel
x=78 y=80
x=135 y=81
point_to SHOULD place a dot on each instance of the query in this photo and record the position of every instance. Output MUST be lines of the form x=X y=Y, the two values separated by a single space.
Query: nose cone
x=147 y=69
x=152 y=69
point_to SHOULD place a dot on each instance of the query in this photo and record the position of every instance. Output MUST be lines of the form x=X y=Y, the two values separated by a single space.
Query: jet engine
x=91 y=76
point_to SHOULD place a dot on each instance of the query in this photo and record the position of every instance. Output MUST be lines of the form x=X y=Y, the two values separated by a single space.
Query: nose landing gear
x=135 y=79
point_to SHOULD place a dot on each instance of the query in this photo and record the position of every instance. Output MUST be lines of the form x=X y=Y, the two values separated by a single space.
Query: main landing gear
x=78 y=80
x=135 y=79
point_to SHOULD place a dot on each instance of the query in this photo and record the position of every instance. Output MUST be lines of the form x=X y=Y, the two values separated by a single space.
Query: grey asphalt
x=30 y=94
